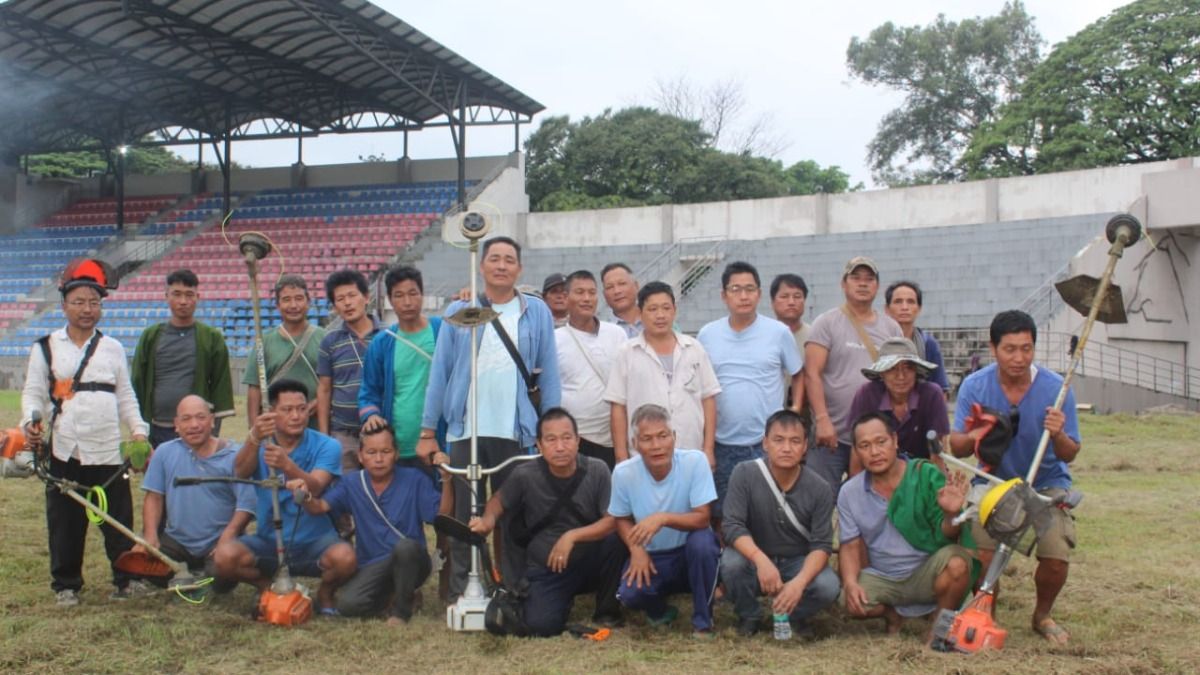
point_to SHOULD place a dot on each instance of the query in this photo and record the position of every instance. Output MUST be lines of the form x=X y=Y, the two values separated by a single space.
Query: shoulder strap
x=586 y=356
x=362 y=476
x=563 y=500
x=862 y=334
x=512 y=351
x=414 y=346
x=918 y=339
x=297 y=353
x=779 y=498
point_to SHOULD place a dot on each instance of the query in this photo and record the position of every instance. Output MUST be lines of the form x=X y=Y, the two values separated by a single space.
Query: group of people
x=713 y=465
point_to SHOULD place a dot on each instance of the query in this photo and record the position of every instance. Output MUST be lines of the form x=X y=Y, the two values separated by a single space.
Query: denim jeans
x=729 y=456
x=740 y=577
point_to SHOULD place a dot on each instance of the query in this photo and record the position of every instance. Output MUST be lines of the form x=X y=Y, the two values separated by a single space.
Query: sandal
x=1052 y=632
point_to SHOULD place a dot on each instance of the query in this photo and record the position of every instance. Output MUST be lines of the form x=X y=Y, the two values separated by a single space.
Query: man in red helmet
x=79 y=379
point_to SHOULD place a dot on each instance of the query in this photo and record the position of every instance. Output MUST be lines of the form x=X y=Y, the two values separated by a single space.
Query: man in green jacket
x=179 y=357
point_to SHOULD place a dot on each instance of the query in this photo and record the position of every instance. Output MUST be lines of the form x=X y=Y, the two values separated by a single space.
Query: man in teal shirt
x=396 y=367
x=292 y=348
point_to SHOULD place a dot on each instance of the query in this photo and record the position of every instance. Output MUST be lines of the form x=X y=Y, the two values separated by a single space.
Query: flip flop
x=1052 y=632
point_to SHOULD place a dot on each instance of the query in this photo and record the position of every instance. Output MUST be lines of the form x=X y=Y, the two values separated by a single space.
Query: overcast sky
x=577 y=59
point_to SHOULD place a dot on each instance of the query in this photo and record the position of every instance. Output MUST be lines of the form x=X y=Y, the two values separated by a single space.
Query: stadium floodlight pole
x=468 y=613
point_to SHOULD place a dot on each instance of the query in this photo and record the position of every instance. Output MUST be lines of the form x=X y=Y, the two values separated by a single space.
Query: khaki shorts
x=1056 y=544
x=917 y=589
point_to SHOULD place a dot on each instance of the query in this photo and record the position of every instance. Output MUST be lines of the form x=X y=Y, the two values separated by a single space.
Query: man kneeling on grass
x=389 y=506
x=898 y=551
x=779 y=527
x=571 y=546
x=662 y=500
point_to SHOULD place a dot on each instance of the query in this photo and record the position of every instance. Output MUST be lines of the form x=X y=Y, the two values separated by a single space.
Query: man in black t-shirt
x=559 y=514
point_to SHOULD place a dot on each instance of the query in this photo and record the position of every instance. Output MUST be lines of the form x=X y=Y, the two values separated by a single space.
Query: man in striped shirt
x=340 y=363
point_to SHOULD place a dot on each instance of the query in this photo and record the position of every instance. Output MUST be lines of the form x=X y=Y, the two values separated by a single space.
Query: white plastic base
x=467 y=614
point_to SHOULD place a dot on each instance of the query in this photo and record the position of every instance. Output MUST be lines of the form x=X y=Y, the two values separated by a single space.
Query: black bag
x=505 y=614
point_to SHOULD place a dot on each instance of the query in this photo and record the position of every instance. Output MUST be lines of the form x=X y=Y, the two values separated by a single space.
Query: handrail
x=1100 y=360
x=1044 y=301
x=651 y=272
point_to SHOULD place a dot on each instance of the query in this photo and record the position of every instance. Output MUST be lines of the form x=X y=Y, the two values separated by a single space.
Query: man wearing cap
x=1015 y=383
x=178 y=357
x=587 y=348
x=621 y=296
x=554 y=294
x=79 y=379
x=899 y=387
x=843 y=341
x=293 y=348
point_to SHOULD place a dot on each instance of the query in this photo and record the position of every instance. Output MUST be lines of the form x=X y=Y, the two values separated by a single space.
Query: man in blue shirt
x=748 y=353
x=1014 y=383
x=507 y=414
x=199 y=517
x=281 y=440
x=661 y=500
x=390 y=506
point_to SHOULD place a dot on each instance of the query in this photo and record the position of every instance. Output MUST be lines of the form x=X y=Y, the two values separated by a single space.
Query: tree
x=1124 y=90
x=719 y=108
x=138 y=161
x=955 y=76
x=640 y=157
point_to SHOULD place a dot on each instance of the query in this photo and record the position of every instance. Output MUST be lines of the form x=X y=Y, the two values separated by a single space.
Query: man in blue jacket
x=507 y=415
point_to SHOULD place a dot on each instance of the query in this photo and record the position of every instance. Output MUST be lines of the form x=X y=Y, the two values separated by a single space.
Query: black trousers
x=600 y=452
x=67 y=523
x=387 y=584
x=595 y=567
x=492 y=451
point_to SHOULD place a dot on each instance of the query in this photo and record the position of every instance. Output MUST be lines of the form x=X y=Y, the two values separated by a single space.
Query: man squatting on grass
x=390 y=506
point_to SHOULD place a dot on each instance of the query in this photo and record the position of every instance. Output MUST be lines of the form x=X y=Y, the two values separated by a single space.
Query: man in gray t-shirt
x=175 y=368
x=834 y=357
x=558 y=508
x=768 y=554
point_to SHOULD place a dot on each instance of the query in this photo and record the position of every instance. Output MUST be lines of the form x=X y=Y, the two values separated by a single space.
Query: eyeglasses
x=738 y=290
x=80 y=304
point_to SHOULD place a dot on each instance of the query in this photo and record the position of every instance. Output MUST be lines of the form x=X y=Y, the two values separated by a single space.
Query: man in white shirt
x=587 y=347
x=79 y=379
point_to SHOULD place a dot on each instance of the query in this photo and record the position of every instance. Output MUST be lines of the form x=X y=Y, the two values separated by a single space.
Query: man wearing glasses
x=178 y=357
x=748 y=352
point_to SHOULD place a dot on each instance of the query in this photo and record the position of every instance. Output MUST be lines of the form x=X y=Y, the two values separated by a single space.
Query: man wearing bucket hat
x=842 y=342
x=900 y=387
x=79 y=378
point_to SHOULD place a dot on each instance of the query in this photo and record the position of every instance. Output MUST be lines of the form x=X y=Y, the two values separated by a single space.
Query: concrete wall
x=1171 y=186
x=26 y=201
x=1110 y=396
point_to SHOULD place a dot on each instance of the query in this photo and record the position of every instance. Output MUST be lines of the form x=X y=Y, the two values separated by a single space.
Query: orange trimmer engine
x=12 y=441
x=284 y=609
x=972 y=629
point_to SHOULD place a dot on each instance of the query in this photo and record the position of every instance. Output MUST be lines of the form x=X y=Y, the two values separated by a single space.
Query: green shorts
x=917 y=589
x=1056 y=544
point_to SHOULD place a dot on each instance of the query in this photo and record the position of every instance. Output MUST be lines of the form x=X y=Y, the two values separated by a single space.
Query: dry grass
x=1131 y=601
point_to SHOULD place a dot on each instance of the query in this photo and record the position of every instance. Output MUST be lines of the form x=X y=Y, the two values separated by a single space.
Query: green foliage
x=955 y=76
x=642 y=157
x=806 y=177
x=138 y=161
x=1124 y=90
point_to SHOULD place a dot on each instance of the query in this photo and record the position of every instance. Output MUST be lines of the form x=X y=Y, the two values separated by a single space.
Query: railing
x=1100 y=360
x=1044 y=302
x=703 y=263
x=657 y=269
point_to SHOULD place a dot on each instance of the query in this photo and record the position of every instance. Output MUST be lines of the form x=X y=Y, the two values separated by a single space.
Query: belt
x=96 y=386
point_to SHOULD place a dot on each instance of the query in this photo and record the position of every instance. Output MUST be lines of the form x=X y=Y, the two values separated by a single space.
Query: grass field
x=1130 y=603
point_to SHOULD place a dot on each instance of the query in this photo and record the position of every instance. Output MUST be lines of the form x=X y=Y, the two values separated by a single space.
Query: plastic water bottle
x=783 y=629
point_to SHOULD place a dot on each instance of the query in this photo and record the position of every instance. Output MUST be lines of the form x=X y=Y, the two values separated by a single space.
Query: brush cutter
x=1013 y=508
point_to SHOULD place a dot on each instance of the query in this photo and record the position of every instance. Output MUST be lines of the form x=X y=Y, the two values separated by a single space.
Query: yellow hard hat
x=993 y=497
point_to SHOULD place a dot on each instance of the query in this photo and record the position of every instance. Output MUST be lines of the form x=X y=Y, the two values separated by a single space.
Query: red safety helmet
x=88 y=272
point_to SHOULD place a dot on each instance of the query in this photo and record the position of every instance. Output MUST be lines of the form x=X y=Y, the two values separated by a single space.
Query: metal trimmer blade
x=1080 y=292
